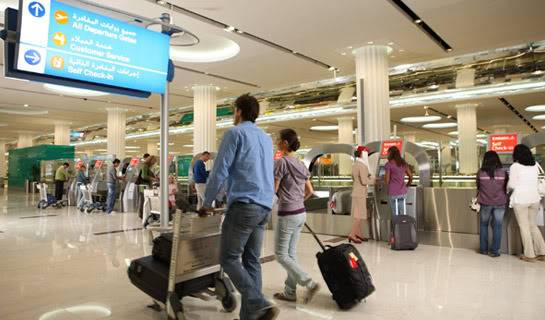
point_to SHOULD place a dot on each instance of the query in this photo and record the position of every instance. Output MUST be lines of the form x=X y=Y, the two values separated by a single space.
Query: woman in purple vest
x=492 y=196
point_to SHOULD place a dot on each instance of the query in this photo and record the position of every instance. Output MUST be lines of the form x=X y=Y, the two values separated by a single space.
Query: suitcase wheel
x=229 y=302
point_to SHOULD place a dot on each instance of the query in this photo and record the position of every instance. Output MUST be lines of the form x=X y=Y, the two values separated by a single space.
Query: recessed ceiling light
x=418 y=21
x=420 y=119
x=211 y=48
x=370 y=42
x=390 y=43
x=536 y=108
x=26 y=105
x=324 y=128
x=453 y=133
x=440 y=125
x=188 y=145
x=349 y=47
x=230 y=29
x=343 y=53
x=161 y=2
x=433 y=86
x=73 y=91
x=539 y=117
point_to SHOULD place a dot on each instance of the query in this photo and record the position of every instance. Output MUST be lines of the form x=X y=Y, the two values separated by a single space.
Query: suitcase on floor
x=404 y=232
x=345 y=273
x=151 y=276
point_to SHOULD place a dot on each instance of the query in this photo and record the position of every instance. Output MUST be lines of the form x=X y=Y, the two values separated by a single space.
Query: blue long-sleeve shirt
x=245 y=161
x=200 y=175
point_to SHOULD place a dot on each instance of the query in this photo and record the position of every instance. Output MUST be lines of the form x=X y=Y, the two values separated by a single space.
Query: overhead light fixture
x=211 y=48
x=440 y=125
x=132 y=147
x=536 y=108
x=26 y=105
x=420 y=119
x=343 y=53
x=73 y=91
x=230 y=29
x=453 y=133
x=539 y=117
x=188 y=145
x=370 y=42
x=538 y=72
x=433 y=86
x=324 y=128
x=418 y=21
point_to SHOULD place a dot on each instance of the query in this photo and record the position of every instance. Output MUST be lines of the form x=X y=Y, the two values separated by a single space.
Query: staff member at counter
x=362 y=178
x=523 y=179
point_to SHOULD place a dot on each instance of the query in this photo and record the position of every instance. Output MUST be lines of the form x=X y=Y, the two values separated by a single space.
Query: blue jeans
x=286 y=238
x=110 y=201
x=491 y=215
x=401 y=199
x=241 y=242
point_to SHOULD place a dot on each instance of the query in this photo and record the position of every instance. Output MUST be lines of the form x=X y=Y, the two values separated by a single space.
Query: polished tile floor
x=59 y=264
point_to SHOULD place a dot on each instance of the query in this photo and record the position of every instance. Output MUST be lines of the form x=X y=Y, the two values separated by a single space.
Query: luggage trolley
x=47 y=200
x=193 y=269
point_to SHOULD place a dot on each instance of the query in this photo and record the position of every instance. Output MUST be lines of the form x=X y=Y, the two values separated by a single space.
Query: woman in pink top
x=395 y=171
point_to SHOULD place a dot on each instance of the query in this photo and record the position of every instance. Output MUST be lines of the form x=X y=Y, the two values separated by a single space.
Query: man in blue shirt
x=200 y=175
x=245 y=162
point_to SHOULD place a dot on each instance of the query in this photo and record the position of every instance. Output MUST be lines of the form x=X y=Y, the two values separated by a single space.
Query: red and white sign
x=98 y=164
x=387 y=144
x=134 y=161
x=503 y=143
x=277 y=155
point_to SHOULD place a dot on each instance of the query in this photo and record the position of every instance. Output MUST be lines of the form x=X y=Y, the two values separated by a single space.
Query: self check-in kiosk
x=378 y=157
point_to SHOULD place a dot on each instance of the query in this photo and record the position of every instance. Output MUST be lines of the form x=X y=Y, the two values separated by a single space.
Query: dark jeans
x=241 y=242
x=491 y=215
x=110 y=201
x=59 y=188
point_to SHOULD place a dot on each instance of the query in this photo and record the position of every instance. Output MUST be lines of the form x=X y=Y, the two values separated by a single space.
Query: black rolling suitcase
x=404 y=232
x=345 y=273
x=151 y=276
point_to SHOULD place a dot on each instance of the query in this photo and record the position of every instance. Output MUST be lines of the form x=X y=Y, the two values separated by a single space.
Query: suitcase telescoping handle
x=315 y=237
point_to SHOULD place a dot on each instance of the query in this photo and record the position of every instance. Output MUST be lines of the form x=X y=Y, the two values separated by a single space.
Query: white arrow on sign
x=37 y=8
x=34 y=56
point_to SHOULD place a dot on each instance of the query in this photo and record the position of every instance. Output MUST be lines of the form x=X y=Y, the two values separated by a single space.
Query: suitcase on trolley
x=404 y=232
x=345 y=273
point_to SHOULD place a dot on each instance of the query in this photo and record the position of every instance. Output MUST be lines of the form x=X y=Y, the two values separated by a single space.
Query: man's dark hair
x=248 y=106
x=66 y=164
x=145 y=155
x=206 y=153
x=116 y=161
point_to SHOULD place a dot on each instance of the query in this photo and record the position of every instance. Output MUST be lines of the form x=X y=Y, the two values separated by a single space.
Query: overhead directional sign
x=63 y=41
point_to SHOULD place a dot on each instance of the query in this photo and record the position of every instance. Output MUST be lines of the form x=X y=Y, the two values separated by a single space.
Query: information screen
x=68 y=42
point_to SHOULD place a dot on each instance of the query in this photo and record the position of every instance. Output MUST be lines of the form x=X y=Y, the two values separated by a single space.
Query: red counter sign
x=387 y=144
x=98 y=164
x=502 y=143
x=134 y=162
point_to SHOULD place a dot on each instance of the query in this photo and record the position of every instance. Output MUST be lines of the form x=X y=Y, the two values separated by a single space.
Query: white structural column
x=24 y=140
x=152 y=148
x=374 y=113
x=346 y=135
x=117 y=126
x=204 y=119
x=467 y=135
x=446 y=157
x=3 y=165
x=62 y=133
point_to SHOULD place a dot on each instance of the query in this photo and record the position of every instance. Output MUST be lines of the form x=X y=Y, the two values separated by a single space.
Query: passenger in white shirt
x=523 y=180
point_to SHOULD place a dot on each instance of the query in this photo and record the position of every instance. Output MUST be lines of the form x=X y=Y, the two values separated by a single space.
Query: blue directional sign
x=71 y=43
x=36 y=9
x=32 y=57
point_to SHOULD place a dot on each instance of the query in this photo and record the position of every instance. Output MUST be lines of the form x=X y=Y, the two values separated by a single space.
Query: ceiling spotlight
x=161 y=2
x=536 y=108
x=421 y=119
x=418 y=21
x=240 y=31
x=343 y=53
x=294 y=52
x=229 y=29
x=433 y=86
x=26 y=105
x=449 y=117
x=449 y=49
x=370 y=42
x=539 y=117
x=440 y=125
